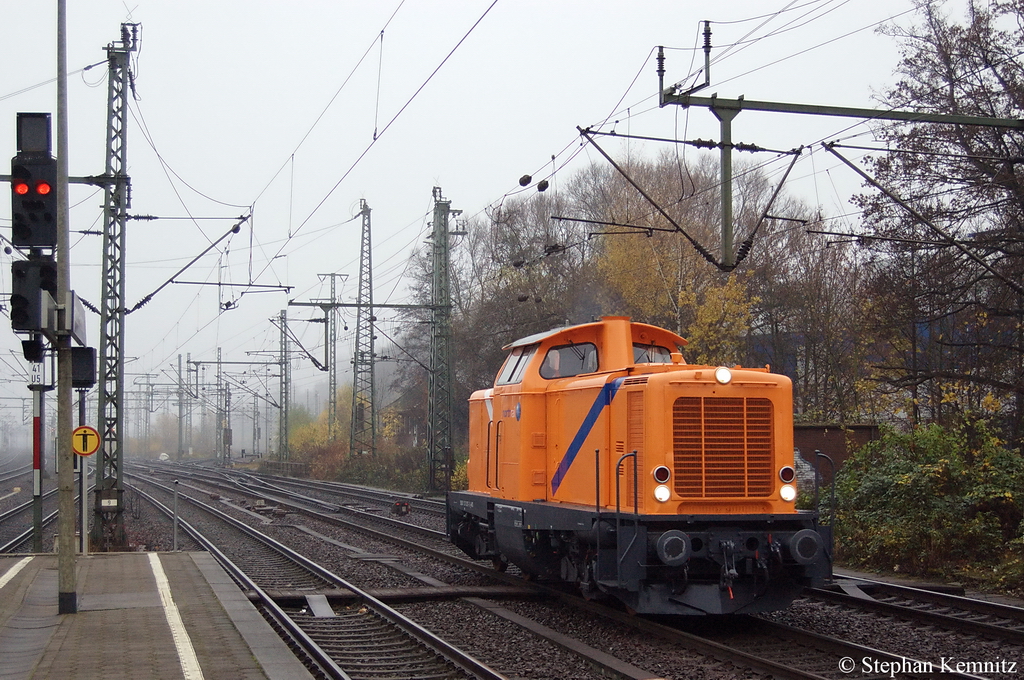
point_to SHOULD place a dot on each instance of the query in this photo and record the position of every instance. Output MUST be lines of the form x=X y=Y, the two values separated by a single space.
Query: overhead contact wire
x=369 y=146
x=331 y=102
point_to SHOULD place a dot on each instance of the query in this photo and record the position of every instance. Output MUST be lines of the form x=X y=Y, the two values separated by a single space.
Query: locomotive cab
x=600 y=457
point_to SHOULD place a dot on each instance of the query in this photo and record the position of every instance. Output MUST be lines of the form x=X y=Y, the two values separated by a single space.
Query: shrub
x=460 y=476
x=932 y=501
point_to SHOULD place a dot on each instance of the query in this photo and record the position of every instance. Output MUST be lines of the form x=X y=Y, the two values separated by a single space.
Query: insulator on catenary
x=525 y=180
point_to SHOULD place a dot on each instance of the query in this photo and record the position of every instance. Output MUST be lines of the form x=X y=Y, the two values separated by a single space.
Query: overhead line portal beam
x=727 y=109
x=741 y=104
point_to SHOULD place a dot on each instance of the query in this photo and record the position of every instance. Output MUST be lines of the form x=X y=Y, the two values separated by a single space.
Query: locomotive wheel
x=499 y=564
x=590 y=592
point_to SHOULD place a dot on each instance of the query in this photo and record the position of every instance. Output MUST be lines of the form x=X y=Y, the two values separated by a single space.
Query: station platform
x=159 y=616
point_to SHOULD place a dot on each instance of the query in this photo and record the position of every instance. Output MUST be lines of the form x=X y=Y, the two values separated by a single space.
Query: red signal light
x=20 y=188
x=43 y=188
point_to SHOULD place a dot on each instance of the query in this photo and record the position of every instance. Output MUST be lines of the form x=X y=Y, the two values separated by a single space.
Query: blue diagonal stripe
x=604 y=398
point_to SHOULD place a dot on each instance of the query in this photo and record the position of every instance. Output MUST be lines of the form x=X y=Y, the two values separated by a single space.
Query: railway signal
x=33 y=287
x=34 y=202
x=34 y=185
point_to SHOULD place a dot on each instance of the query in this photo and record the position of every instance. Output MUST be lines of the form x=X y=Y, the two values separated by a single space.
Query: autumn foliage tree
x=543 y=260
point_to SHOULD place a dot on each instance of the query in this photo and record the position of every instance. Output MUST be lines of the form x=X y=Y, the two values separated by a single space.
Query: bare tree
x=949 y=280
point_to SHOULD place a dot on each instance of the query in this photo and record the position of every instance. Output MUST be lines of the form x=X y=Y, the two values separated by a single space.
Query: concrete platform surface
x=140 y=615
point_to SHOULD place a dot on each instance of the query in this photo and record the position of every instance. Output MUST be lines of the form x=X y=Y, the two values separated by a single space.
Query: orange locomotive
x=601 y=458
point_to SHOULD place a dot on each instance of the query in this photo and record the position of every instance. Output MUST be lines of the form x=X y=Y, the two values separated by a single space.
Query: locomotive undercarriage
x=654 y=564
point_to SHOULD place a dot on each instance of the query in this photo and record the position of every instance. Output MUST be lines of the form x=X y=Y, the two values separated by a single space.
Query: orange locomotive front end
x=600 y=457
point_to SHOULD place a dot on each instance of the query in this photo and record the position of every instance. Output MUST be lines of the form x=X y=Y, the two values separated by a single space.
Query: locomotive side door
x=506 y=429
x=507 y=442
x=584 y=426
x=627 y=437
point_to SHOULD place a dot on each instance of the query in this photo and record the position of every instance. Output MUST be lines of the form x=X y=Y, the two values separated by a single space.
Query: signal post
x=34 y=280
x=41 y=301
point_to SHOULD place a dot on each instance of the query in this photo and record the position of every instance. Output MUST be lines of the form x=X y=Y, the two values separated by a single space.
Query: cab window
x=568 y=360
x=515 y=365
x=651 y=354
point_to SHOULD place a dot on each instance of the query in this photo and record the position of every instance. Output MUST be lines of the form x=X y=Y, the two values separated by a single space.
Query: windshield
x=568 y=360
x=515 y=365
x=651 y=354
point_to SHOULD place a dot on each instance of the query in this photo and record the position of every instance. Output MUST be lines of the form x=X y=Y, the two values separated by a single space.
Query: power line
x=396 y=116
x=51 y=81
x=329 y=103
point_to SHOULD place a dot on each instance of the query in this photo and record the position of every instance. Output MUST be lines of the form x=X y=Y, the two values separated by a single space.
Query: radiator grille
x=722 y=447
x=634 y=442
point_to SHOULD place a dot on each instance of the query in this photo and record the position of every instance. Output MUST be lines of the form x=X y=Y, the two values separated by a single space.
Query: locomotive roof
x=539 y=337
x=535 y=338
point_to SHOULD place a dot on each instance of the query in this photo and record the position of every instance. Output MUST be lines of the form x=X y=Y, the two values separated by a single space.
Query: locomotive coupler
x=680 y=584
x=762 y=567
x=729 y=572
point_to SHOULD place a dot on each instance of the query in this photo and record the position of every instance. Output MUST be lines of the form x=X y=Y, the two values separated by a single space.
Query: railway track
x=771 y=648
x=804 y=655
x=371 y=640
x=316 y=500
x=951 y=612
x=437 y=592
x=16 y=524
x=361 y=494
x=14 y=472
x=335 y=493
x=15 y=487
x=333 y=496
x=297 y=499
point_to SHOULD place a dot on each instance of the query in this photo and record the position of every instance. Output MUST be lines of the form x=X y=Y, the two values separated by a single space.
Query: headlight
x=723 y=375
x=662 y=493
x=788 y=492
